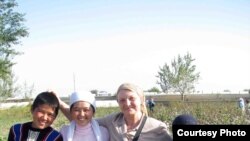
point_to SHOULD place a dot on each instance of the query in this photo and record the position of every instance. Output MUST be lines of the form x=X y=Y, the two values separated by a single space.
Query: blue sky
x=106 y=43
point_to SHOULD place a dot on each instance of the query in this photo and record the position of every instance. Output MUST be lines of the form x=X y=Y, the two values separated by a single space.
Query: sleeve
x=105 y=133
x=164 y=131
x=105 y=121
x=155 y=130
x=11 y=134
x=60 y=138
x=101 y=121
x=63 y=131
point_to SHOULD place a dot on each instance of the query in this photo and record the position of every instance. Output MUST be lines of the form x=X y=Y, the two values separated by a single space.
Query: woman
x=83 y=126
x=126 y=125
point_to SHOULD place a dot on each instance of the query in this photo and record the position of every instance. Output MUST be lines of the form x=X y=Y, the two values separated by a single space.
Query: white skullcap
x=83 y=96
x=241 y=99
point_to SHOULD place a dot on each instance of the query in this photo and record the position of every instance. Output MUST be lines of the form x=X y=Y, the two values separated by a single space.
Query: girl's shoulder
x=64 y=129
x=105 y=133
x=103 y=129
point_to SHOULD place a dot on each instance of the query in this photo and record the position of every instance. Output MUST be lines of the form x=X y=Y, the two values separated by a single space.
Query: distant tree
x=7 y=87
x=11 y=30
x=165 y=77
x=154 y=89
x=180 y=76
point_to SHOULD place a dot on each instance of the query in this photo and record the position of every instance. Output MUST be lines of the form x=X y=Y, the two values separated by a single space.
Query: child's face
x=43 y=116
x=82 y=113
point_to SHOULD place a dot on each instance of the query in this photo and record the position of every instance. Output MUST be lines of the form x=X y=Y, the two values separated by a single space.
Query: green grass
x=11 y=116
x=205 y=112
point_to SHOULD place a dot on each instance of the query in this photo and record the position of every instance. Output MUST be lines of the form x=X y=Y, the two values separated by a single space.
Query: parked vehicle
x=103 y=93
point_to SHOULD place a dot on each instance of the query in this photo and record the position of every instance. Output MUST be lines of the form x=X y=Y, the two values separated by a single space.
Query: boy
x=44 y=111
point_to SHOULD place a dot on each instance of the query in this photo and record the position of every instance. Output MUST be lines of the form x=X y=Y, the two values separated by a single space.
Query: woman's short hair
x=136 y=89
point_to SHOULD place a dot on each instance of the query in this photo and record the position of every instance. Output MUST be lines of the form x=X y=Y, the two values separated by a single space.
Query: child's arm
x=64 y=107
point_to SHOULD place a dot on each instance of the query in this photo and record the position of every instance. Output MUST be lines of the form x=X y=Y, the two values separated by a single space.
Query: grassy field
x=205 y=112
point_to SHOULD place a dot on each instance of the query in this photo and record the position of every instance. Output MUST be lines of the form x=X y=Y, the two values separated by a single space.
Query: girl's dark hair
x=46 y=98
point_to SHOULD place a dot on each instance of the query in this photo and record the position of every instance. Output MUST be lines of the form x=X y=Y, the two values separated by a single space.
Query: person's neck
x=133 y=121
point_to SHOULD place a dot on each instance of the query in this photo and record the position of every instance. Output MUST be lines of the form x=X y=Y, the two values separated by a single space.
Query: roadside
x=101 y=103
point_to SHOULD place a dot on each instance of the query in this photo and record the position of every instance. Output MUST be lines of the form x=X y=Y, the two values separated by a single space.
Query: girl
x=83 y=126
